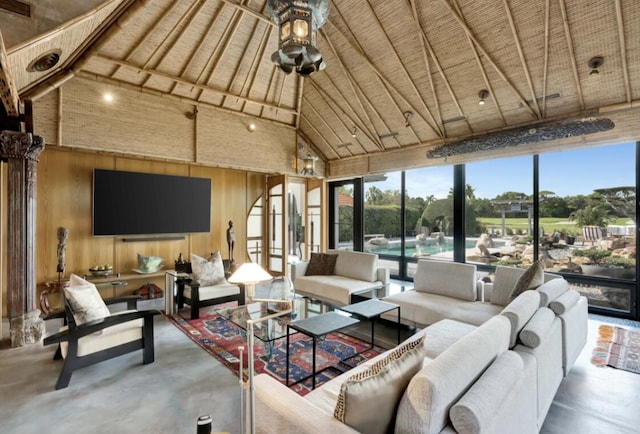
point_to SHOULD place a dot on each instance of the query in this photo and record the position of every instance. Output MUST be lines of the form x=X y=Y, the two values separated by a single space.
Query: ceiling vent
x=17 y=7
x=45 y=61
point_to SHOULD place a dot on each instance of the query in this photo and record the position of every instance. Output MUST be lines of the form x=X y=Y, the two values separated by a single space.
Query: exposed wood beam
x=125 y=19
x=545 y=67
x=330 y=102
x=326 y=124
x=572 y=56
x=249 y=11
x=523 y=61
x=268 y=91
x=408 y=77
x=623 y=49
x=484 y=52
x=229 y=31
x=8 y=91
x=387 y=86
x=253 y=69
x=189 y=101
x=185 y=16
x=299 y=96
x=357 y=91
x=483 y=72
x=240 y=62
x=204 y=38
x=372 y=108
x=201 y=87
x=313 y=127
x=427 y=65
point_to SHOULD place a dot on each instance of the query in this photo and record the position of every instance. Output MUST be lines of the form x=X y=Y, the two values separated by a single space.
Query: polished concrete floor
x=124 y=396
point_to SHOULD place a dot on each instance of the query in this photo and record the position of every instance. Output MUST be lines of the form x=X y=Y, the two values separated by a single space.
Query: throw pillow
x=321 y=264
x=369 y=399
x=530 y=279
x=208 y=272
x=85 y=301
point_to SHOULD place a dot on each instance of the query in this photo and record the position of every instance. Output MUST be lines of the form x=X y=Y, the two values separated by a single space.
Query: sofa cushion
x=451 y=279
x=85 y=300
x=214 y=291
x=333 y=289
x=475 y=411
x=425 y=405
x=520 y=311
x=536 y=329
x=551 y=290
x=422 y=309
x=208 y=272
x=565 y=302
x=356 y=265
x=530 y=279
x=321 y=264
x=385 y=380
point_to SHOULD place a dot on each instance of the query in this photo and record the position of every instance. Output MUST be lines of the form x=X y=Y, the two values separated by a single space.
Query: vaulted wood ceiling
x=385 y=58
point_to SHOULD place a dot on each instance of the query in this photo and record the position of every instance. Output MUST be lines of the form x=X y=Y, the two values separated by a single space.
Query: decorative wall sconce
x=354 y=132
x=483 y=95
x=251 y=127
x=407 y=118
x=298 y=23
x=594 y=64
x=308 y=161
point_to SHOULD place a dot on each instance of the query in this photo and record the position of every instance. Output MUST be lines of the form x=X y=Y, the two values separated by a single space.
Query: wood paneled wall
x=65 y=199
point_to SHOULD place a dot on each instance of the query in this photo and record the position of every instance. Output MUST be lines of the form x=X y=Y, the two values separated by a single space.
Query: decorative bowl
x=100 y=273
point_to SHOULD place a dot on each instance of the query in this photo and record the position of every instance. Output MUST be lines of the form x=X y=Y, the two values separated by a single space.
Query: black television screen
x=132 y=203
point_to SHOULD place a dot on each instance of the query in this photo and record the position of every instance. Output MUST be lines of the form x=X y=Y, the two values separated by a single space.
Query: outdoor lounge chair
x=591 y=233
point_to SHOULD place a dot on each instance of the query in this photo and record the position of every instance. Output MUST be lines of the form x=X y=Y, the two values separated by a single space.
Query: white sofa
x=475 y=385
x=355 y=272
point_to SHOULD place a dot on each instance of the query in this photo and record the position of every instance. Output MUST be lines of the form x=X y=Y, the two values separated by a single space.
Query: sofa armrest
x=382 y=274
x=281 y=410
x=298 y=269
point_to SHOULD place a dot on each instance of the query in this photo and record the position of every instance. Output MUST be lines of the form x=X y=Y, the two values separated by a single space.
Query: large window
x=575 y=210
x=588 y=211
x=499 y=212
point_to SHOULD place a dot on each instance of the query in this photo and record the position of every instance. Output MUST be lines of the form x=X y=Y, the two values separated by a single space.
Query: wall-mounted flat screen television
x=133 y=203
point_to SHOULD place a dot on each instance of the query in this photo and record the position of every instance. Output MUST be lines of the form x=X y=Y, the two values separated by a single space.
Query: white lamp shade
x=249 y=273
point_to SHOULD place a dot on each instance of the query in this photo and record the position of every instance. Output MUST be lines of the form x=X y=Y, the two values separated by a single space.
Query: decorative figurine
x=231 y=240
x=63 y=234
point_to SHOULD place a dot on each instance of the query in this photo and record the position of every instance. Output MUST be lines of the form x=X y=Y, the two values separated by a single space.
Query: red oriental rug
x=617 y=347
x=221 y=338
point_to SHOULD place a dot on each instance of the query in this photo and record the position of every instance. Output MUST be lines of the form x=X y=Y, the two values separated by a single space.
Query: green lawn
x=549 y=224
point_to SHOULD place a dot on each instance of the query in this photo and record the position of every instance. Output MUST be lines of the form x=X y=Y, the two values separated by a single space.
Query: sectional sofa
x=493 y=376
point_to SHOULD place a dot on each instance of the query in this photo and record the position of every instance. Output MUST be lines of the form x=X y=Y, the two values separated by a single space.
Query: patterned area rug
x=617 y=347
x=221 y=338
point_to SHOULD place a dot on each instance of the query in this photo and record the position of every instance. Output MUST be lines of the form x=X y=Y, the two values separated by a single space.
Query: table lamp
x=249 y=274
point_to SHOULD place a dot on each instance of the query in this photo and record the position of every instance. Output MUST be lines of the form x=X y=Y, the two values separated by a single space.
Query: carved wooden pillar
x=21 y=151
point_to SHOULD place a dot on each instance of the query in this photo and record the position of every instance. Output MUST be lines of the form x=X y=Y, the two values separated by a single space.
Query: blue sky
x=566 y=173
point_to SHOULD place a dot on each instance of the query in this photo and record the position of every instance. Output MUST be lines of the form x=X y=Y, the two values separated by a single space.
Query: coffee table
x=371 y=311
x=268 y=331
x=316 y=327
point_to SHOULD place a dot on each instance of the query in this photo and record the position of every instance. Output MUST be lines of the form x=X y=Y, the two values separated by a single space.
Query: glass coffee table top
x=267 y=330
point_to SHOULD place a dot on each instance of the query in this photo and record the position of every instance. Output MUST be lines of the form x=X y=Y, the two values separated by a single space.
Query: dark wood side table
x=316 y=327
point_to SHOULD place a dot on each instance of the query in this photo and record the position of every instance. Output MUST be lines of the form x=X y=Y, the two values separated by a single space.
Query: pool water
x=431 y=249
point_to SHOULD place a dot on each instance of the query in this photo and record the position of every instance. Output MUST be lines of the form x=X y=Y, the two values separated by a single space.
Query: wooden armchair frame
x=195 y=303
x=75 y=332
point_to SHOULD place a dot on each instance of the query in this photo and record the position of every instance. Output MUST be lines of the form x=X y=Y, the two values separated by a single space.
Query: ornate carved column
x=21 y=151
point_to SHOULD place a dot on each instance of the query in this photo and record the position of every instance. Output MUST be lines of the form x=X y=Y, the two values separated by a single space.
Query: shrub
x=595 y=255
x=617 y=261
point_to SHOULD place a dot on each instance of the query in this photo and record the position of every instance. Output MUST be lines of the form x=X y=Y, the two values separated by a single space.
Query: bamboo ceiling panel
x=383 y=58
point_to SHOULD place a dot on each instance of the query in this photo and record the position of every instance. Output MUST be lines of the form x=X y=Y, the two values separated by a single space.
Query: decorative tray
x=100 y=273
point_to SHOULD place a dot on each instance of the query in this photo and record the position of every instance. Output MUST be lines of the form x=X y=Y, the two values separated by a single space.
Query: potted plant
x=602 y=264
